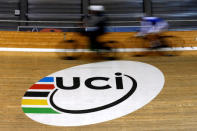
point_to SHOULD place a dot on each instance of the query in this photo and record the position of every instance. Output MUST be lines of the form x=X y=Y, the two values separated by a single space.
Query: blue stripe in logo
x=47 y=79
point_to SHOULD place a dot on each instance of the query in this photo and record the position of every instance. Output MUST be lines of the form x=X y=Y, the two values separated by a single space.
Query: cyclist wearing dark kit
x=96 y=26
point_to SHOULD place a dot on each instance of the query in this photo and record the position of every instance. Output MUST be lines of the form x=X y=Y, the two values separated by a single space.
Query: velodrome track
x=175 y=108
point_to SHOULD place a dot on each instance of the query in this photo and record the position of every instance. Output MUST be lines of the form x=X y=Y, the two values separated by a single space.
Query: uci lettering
x=89 y=81
x=89 y=84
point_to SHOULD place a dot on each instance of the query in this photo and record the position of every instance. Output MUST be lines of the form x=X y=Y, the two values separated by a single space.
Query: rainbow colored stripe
x=35 y=99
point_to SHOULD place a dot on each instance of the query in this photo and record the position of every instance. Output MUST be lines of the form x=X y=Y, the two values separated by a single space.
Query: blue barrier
x=108 y=29
x=61 y=29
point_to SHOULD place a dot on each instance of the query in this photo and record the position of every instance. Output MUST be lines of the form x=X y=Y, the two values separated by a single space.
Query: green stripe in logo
x=39 y=110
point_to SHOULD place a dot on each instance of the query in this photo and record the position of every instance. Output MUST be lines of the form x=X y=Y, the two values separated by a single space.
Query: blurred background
x=68 y=14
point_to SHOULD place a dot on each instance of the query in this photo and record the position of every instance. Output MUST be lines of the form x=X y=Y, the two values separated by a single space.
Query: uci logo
x=92 y=93
x=89 y=83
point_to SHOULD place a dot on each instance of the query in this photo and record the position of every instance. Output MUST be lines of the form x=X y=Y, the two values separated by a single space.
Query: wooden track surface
x=174 y=109
x=60 y=40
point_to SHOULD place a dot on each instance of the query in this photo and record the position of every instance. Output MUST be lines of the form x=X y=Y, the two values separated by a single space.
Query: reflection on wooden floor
x=175 y=108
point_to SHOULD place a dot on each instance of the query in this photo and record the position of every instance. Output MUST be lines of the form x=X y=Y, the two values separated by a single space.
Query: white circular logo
x=92 y=93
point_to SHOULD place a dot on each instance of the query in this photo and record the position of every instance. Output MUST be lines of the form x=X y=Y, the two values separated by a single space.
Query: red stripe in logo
x=43 y=86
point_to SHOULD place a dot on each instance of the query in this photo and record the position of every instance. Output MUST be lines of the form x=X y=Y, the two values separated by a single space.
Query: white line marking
x=42 y=98
x=41 y=106
x=39 y=90
x=87 y=50
x=45 y=83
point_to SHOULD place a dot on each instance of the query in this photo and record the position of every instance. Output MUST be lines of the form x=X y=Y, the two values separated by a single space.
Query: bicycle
x=107 y=50
x=157 y=42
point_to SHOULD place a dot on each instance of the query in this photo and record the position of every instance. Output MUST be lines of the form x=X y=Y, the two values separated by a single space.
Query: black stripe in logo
x=36 y=94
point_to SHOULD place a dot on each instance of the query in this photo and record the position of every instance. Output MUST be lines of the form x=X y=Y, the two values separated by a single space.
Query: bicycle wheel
x=173 y=41
x=137 y=42
x=113 y=46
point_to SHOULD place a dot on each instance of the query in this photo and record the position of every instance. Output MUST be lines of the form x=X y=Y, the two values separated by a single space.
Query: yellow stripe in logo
x=34 y=102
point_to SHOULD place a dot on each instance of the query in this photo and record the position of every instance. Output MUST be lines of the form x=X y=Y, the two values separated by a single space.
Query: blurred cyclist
x=95 y=27
x=151 y=28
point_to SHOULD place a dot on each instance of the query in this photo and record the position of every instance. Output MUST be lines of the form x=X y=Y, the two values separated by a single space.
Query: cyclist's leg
x=154 y=40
